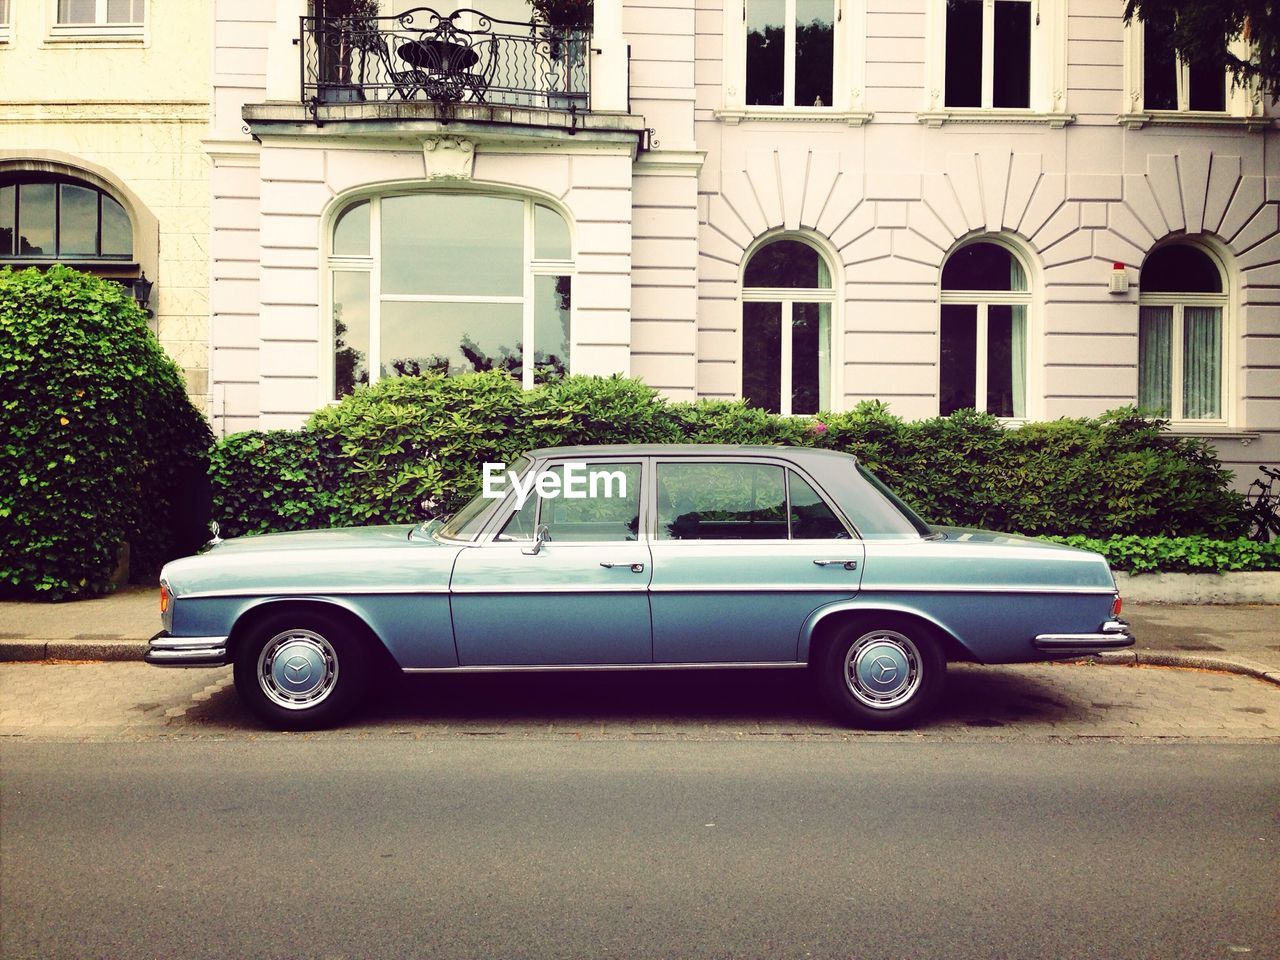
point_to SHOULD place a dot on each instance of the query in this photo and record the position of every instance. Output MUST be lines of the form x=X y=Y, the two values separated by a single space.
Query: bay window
x=449 y=283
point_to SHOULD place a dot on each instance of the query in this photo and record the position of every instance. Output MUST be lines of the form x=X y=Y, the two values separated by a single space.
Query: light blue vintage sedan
x=638 y=557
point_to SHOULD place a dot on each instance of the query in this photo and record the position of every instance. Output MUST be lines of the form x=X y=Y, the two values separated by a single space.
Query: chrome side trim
x=1112 y=635
x=167 y=651
x=605 y=667
x=984 y=588
x=539 y=588
x=842 y=587
x=327 y=591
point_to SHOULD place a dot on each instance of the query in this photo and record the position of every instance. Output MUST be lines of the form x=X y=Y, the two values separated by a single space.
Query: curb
x=29 y=650
x=1185 y=661
x=133 y=650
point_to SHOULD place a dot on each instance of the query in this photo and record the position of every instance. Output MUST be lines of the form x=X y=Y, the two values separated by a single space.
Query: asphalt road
x=316 y=847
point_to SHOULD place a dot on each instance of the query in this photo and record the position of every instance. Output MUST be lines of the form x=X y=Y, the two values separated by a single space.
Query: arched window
x=1181 y=334
x=45 y=218
x=449 y=282
x=786 y=329
x=983 y=331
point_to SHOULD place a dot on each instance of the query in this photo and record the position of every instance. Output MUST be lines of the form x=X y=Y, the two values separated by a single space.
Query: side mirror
x=541 y=535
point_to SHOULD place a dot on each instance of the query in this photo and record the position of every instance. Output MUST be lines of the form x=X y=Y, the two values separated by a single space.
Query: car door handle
x=847 y=564
x=635 y=567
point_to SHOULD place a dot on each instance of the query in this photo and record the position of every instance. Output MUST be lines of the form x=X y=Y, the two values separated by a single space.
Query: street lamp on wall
x=142 y=294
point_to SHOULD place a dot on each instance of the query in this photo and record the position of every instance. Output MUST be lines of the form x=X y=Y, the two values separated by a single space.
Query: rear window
x=883 y=514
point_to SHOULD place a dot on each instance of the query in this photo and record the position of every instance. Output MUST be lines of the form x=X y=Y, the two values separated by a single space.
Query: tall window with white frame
x=983 y=331
x=1182 y=335
x=449 y=283
x=988 y=53
x=1170 y=83
x=790 y=52
x=787 y=300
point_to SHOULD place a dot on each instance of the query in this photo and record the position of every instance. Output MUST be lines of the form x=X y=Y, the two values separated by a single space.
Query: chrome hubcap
x=882 y=669
x=297 y=669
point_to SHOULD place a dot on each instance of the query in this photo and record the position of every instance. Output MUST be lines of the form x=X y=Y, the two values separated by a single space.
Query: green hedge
x=1180 y=554
x=375 y=456
x=99 y=444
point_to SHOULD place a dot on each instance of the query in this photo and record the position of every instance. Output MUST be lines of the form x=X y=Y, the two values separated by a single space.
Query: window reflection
x=453 y=271
x=451 y=245
x=51 y=217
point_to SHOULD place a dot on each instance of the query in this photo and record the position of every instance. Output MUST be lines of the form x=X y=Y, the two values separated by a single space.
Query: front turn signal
x=164 y=598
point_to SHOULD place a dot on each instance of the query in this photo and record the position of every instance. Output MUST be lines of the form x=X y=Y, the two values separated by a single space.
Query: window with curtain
x=101 y=12
x=790 y=52
x=1181 y=334
x=463 y=282
x=988 y=53
x=1169 y=83
x=787 y=299
x=54 y=218
x=983 y=331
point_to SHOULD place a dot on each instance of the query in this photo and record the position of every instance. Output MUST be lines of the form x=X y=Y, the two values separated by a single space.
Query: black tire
x=301 y=671
x=883 y=674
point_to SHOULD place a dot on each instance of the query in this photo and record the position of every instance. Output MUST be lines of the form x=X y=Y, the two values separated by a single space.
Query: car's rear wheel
x=884 y=675
x=301 y=671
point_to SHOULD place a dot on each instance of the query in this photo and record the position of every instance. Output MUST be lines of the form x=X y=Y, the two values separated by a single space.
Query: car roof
x=690 y=450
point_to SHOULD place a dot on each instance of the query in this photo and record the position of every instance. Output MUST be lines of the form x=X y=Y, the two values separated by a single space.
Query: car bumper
x=167 y=651
x=1112 y=635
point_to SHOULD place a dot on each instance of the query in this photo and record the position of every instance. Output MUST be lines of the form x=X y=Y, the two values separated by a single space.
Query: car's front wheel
x=300 y=671
x=884 y=675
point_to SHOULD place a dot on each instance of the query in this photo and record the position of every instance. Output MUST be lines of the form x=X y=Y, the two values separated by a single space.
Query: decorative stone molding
x=448 y=158
x=936 y=118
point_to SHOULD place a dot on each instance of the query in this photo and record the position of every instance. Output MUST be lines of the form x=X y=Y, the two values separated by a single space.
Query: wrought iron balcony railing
x=462 y=57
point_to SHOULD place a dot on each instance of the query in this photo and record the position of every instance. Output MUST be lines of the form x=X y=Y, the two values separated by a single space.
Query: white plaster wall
x=891 y=198
x=133 y=112
x=274 y=359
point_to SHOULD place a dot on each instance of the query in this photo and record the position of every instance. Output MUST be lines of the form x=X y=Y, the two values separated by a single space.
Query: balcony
x=462 y=58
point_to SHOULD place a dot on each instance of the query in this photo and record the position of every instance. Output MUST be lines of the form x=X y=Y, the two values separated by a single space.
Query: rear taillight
x=1116 y=604
x=164 y=598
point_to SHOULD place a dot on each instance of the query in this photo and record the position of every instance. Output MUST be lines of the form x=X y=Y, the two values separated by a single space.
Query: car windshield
x=888 y=519
x=466 y=523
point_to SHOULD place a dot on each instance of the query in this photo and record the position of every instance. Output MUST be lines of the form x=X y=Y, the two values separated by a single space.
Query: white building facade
x=104 y=105
x=1021 y=206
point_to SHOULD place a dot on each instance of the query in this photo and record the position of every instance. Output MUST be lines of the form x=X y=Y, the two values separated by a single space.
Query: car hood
x=337 y=538
x=378 y=558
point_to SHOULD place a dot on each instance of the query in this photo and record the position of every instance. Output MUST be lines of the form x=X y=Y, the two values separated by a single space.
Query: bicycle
x=1264 y=504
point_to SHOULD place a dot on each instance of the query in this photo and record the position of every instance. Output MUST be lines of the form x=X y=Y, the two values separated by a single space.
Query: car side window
x=721 y=501
x=811 y=518
x=592 y=502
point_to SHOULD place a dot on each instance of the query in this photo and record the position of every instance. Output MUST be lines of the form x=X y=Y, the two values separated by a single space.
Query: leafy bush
x=385 y=448
x=1180 y=554
x=100 y=443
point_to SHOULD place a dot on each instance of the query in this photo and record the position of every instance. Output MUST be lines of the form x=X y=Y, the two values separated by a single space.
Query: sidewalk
x=1239 y=638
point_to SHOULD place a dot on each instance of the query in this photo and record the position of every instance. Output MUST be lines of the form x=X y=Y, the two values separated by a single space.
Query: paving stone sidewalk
x=1237 y=638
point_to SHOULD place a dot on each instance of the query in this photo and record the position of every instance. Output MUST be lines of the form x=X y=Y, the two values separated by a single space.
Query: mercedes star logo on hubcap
x=883 y=670
x=297 y=669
